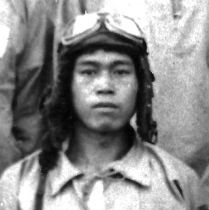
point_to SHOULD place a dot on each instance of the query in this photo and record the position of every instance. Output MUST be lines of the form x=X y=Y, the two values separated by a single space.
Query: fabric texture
x=145 y=178
x=205 y=185
x=25 y=71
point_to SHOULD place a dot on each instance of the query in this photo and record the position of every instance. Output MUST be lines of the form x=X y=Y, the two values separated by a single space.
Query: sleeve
x=25 y=72
x=8 y=150
x=33 y=43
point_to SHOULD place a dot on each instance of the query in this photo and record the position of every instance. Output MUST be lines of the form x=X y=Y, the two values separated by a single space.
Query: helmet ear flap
x=45 y=98
x=146 y=126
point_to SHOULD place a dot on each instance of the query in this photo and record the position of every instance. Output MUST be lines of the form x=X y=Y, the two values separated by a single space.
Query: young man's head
x=103 y=78
x=104 y=90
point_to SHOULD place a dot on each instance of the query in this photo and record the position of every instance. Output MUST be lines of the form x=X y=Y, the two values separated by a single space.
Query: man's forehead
x=104 y=56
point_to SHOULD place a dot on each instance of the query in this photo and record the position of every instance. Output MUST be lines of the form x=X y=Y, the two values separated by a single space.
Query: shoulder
x=10 y=180
x=13 y=172
x=171 y=163
x=180 y=176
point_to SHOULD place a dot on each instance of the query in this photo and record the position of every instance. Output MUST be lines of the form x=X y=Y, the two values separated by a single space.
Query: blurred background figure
x=25 y=65
x=178 y=45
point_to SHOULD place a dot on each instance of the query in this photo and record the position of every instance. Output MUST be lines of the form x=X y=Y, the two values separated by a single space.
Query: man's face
x=104 y=90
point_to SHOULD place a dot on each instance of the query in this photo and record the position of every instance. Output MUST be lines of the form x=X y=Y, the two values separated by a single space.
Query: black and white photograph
x=104 y=104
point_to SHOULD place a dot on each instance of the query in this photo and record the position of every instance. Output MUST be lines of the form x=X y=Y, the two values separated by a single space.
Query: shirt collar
x=135 y=165
x=64 y=172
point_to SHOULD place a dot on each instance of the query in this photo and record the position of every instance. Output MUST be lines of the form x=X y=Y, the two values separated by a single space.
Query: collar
x=135 y=165
x=63 y=173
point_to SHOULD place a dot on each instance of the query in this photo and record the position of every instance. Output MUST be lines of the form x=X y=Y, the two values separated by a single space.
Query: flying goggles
x=85 y=26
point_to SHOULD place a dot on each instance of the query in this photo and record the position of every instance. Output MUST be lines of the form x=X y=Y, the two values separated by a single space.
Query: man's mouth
x=105 y=105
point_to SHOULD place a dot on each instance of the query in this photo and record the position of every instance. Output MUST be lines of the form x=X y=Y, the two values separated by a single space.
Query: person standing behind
x=25 y=72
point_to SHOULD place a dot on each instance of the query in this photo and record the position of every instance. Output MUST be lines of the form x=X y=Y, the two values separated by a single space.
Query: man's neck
x=90 y=150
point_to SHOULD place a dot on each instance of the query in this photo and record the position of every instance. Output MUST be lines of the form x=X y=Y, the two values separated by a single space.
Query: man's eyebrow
x=125 y=62
x=86 y=62
x=111 y=64
x=121 y=62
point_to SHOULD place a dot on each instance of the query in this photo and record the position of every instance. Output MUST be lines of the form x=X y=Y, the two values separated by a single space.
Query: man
x=91 y=157
x=179 y=63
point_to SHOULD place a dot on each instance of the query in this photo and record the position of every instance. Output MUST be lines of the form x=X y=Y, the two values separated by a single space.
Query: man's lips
x=105 y=105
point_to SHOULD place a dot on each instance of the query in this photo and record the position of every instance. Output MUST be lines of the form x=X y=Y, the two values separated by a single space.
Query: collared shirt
x=145 y=178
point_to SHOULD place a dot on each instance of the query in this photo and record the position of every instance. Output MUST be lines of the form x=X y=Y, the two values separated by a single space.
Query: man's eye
x=122 y=72
x=88 y=72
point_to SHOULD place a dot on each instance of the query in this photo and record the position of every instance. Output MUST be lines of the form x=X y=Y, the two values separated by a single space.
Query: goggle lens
x=86 y=24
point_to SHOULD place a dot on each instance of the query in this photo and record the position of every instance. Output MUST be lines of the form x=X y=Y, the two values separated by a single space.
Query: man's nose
x=105 y=84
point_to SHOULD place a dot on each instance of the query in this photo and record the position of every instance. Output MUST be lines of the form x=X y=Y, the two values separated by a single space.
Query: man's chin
x=107 y=128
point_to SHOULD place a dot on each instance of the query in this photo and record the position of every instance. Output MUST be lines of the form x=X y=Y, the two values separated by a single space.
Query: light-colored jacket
x=149 y=179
